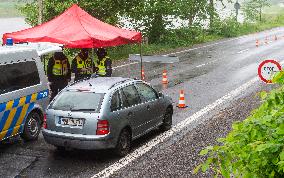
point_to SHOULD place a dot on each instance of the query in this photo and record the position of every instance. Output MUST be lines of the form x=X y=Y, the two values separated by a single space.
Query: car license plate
x=71 y=122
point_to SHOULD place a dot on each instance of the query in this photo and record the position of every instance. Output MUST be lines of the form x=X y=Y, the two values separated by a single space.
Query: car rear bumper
x=78 y=141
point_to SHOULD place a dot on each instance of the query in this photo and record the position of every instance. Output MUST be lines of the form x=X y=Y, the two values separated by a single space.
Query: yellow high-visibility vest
x=60 y=67
x=102 y=67
x=84 y=64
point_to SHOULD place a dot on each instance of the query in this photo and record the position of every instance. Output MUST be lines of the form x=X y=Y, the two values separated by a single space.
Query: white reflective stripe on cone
x=181 y=102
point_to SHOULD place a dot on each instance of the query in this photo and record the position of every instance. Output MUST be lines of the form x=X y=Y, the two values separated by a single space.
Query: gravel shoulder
x=179 y=156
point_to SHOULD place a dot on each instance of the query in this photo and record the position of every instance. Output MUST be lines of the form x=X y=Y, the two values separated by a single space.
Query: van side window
x=146 y=92
x=115 y=102
x=18 y=76
x=130 y=96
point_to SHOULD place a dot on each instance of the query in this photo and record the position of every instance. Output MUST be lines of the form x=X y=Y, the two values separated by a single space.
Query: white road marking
x=242 y=51
x=200 y=65
x=176 y=129
x=206 y=63
x=124 y=65
x=212 y=61
x=221 y=42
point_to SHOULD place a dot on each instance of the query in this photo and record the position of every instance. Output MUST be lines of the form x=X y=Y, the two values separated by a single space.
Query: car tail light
x=102 y=127
x=44 y=125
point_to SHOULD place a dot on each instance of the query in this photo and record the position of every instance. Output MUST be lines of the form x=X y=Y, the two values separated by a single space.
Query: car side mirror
x=160 y=94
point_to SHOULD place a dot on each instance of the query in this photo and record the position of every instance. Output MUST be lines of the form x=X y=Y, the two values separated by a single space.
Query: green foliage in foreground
x=255 y=146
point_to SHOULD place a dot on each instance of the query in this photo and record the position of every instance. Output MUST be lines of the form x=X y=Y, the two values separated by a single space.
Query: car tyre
x=167 y=121
x=32 y=127
x=123 y=144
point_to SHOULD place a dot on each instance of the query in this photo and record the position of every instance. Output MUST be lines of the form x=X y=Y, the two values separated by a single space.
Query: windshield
x=77 y=101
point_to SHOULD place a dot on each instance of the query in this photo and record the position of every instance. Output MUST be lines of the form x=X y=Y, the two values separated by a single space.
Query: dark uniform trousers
x=56 y=87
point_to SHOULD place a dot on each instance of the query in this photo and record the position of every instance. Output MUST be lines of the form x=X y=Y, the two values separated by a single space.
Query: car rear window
x=78 y=101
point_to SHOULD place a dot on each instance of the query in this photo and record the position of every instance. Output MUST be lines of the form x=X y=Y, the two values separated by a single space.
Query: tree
x=212 y=10
x=107 y=10
x=194 y=11
x=253 y=9
x=152 y=17
x=40 y=11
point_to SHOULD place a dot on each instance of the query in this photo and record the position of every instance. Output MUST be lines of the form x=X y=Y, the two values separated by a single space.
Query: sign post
x=237 y=6
x=267 y=69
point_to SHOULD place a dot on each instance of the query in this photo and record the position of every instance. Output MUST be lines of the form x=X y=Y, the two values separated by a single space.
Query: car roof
x=11 y=54
x=99 y=84
x=13 y=49
x=41 y=48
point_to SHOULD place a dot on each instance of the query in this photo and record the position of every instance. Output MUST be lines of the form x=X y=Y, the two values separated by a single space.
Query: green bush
x=226 y=28
x=184 y=36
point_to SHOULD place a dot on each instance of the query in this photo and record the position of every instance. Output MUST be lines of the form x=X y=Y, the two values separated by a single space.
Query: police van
x=23 y=91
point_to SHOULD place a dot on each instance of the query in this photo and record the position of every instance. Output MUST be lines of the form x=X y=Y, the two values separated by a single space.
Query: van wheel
x=167 y=122
x=124 y=143
x=32 y=127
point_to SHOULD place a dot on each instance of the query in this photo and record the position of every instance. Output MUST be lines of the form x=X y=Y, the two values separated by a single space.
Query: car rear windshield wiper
x=64 y=107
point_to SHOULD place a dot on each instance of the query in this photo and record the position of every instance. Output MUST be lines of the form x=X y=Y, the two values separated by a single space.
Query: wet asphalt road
x=206 y=73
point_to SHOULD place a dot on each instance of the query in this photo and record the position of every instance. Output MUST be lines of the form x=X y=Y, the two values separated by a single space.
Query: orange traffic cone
x=142 y=74
x=165 y=78
x=181 y=102
x=257 y=43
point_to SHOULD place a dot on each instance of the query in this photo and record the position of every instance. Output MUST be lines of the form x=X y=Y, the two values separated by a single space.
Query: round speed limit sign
x=267 y=69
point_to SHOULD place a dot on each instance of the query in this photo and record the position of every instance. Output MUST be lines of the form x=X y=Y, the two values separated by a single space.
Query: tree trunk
x=260 y=13
x=211 y=11
x=40 y=11
x=190 y=19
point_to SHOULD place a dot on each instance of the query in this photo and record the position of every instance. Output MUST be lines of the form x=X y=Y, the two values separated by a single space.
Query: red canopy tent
x=75 y=28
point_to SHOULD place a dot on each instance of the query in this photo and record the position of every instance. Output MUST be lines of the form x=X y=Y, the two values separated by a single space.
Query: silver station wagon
x=103 y=113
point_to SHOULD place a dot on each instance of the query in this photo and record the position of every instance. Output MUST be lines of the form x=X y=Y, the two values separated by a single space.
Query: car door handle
x=148 y=107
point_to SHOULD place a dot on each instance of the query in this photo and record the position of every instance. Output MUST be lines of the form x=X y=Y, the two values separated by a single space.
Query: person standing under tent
x=58 y=73
x=82 y=65
x=104 y=63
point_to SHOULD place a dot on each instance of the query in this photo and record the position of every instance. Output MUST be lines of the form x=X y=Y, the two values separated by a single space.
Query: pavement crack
x=22 y=173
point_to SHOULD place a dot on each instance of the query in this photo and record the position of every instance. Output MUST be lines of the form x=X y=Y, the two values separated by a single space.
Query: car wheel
x=32 y=127
x=123 y=143
x=167 y=121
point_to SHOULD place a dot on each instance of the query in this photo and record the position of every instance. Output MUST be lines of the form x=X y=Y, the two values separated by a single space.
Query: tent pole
x=141 y=61
x=93 y=60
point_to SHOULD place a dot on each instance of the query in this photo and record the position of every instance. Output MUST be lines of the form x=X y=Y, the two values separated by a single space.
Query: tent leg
x=129 y=68
x=141 y=61
x=93 y=60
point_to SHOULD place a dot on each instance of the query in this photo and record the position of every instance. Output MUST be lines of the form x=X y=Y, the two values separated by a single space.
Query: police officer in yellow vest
x=82 y=65
x=58 y=73
x=103 y=68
